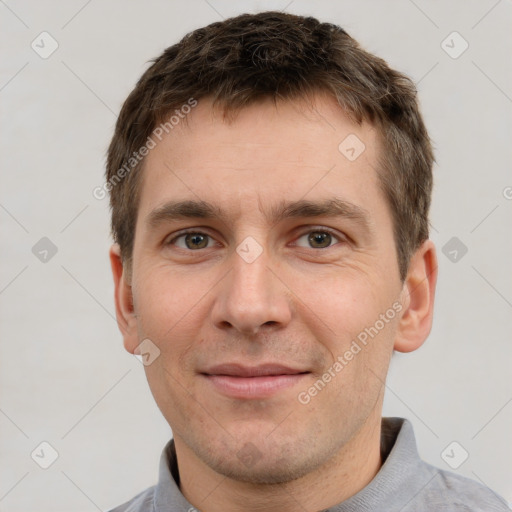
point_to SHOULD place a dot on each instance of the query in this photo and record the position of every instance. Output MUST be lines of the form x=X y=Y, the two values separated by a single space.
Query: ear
x=418 y=299
x=126 y=318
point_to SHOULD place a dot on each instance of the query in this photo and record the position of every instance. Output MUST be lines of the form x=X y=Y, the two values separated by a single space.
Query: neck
x=345 y=474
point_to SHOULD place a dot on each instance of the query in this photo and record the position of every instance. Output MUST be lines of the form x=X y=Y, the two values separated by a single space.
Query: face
x=263 y=254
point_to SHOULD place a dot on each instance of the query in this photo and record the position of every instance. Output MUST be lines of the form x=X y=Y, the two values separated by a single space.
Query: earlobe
x=126 y=318
x=418 y=299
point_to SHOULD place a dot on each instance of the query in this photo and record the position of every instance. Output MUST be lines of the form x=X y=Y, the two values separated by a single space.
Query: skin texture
x=299 y=303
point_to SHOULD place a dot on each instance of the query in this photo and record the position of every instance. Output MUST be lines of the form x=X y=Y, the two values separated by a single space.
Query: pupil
x=196 y=240
x=320 y=238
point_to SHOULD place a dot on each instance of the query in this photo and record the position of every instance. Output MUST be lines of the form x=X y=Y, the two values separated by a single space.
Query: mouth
x=252 y=382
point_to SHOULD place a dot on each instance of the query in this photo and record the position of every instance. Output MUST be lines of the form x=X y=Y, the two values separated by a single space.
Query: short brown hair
x=276 y=55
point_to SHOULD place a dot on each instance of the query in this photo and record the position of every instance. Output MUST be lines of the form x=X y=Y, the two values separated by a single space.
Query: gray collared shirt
x=404 y=483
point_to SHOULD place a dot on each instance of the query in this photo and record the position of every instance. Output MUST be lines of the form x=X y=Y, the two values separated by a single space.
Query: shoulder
x=448 y=491
x=143 y=502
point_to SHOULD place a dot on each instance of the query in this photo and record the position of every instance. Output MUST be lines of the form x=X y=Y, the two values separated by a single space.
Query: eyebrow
x=192 y=209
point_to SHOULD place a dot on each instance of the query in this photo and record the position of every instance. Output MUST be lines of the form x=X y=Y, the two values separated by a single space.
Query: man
x=270 y=185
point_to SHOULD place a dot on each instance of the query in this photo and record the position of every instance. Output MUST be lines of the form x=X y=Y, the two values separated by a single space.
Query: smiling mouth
x=246 y=382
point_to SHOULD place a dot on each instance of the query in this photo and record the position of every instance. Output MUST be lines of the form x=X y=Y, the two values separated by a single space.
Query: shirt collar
x=401 y=477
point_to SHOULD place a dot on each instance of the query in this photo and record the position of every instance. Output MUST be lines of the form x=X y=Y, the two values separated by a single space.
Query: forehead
x=268 y=153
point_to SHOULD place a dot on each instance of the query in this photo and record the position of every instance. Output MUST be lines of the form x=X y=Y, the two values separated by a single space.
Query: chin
x=273 y=464
x=270 y=473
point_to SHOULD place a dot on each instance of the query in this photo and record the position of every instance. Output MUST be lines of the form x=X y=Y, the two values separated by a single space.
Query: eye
x=314 y=239
x=319 y=239
x=191 y=240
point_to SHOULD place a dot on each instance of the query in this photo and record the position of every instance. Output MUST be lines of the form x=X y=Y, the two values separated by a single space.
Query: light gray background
x=65 y=377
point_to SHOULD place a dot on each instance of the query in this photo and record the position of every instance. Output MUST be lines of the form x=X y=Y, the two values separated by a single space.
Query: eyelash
x=319 y=229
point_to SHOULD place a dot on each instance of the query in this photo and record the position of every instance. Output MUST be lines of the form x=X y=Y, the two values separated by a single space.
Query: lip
x=240 y=370
x=252 y=382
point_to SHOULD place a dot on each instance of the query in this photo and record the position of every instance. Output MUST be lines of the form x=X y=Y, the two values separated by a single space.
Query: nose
x=252 y=296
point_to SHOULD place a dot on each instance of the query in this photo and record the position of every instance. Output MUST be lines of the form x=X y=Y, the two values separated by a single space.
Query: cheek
x=171 y=311
x=344 y=313
x=345 y=301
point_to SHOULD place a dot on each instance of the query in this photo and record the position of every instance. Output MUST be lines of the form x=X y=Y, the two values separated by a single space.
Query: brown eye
x=191 y=240
x=196 y=241
x=318 y=239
